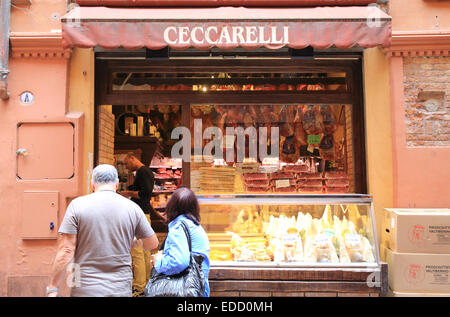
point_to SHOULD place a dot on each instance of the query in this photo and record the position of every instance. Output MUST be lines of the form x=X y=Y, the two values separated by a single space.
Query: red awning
x=226 y=27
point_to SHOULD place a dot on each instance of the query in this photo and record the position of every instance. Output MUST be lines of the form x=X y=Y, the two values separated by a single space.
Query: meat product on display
x=310 y=189
x=254 y=176
x=327 y=148
x=268 y=115
x=283 y=182
x=310 y=176
x=257 y=189
x=301 y=168
x=335 y=174
x=289 y=189
x=316 y=87
x=249 y=120
x=286 y=117
x=312 y=121
x=299 y=131
x=283 y=87
x=290 y=150
x=310 y=182
x=282 y=175
x=337 y=182
x=328 y=119
x=300 y=134
x=256 y=182
x=337 y=190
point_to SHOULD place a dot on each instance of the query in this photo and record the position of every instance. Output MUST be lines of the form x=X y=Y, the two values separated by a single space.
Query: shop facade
x=262 y=82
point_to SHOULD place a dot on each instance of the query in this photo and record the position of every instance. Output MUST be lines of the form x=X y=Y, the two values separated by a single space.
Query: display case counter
x=293 y=245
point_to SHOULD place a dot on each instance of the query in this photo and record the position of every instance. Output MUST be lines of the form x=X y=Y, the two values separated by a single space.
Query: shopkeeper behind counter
x=141 y=189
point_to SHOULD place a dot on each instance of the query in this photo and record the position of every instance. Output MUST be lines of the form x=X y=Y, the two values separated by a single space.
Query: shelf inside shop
x=232 y=81
x=127 y=138
x=162 y=192
x=167 y=178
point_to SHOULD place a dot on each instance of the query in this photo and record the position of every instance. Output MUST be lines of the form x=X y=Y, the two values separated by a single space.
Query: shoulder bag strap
x=188 y=236
x=163 y=244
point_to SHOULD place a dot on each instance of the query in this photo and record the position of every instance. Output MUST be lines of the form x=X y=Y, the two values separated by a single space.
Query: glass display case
x=266 y=230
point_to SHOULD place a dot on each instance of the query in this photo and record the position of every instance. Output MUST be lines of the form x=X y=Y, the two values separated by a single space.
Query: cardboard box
x=417 y=230
x=418 y=272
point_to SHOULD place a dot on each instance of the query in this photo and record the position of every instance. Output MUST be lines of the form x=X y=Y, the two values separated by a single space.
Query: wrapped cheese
x=272 y=228
x=325 y=251
x=309 y=251
x=354 y=248
x=327 y=219
x=276 y=247
x=367 y=255
x=353 y=213
x=236 y=241
x=293 y=246
x=343 y=254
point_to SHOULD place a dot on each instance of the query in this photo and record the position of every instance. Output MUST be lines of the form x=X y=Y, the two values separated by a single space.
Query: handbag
x=188 y=283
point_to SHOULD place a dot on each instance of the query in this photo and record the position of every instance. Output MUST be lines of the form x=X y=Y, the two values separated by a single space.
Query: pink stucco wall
x=37 y=64
x=421 y=173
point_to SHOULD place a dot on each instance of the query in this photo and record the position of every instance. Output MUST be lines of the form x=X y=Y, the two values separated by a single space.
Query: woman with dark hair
x=183 y=206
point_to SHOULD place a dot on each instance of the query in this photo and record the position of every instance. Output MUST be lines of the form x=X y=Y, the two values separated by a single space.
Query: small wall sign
x=26 y=98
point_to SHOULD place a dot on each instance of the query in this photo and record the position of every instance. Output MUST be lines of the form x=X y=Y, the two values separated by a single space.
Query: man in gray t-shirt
x=97 y=233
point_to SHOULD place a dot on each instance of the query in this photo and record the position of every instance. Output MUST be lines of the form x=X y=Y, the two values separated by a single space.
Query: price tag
x=290 y=239
x=352 y=239
x=321 y=239
x=281 y=183
x=271 y=161
x=314 y=139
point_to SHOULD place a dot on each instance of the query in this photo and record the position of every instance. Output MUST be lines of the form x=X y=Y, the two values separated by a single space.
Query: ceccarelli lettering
x=226 y=35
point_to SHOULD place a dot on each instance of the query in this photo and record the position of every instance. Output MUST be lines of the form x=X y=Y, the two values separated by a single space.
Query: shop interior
x=317 y=131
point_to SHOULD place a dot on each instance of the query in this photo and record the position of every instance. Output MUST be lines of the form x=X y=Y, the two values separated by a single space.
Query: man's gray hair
x=104 y=174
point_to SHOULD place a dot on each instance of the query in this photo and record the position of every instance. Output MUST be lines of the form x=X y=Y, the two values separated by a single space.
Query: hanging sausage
x=299 y=132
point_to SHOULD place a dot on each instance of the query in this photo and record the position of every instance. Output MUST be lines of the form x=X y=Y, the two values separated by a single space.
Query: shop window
x=304 y=149
x=308 y=126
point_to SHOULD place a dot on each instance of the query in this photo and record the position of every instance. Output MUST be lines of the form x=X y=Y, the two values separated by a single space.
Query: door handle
x=23 y=152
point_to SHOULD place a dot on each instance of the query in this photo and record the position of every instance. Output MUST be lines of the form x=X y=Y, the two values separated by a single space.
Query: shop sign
x=226 y=34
